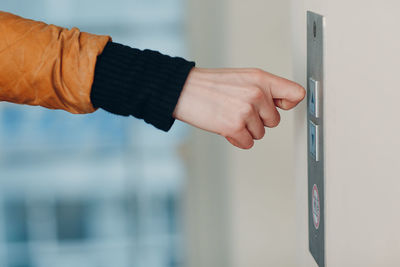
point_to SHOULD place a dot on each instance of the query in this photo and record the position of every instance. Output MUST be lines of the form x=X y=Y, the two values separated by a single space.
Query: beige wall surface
x=262 y=184
x=206 y=212
x=249 y=208
x=253 y=190
x=361 y=131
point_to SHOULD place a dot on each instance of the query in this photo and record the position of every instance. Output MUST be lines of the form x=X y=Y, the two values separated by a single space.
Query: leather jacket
x=47 y=65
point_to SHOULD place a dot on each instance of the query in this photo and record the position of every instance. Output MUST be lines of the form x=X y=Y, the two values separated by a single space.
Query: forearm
x=144 y=84
x=47 y=65
x=58 y=68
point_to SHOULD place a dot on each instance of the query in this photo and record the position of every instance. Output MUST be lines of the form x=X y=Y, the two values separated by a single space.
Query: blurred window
x=73 y=220
x=93 y=190
x=16 y=220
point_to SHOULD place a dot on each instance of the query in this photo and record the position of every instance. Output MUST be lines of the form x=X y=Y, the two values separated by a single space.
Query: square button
x=313 y=134
x=313 y=98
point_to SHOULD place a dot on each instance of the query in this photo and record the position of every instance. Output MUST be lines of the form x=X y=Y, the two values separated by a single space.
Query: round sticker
x=315 y=206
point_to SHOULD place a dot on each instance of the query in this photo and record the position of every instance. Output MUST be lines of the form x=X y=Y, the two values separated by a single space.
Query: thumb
x=286 y=94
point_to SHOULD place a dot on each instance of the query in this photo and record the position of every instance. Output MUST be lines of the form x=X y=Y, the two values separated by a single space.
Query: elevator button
x=313 y=99
x=313 y=140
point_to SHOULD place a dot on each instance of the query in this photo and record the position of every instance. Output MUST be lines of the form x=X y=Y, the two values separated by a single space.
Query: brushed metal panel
x=316 y=190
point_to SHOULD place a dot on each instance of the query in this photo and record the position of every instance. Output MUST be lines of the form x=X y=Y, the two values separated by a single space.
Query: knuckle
x=237 y=127
x=255 y=94
x=272 y=120
x=258 y=75
x=275 y=121
x=246 y=111
x=261 y=134
x=226 y=131
x=233 y=128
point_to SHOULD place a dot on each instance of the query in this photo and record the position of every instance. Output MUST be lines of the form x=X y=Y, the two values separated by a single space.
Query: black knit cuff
x=144 y=84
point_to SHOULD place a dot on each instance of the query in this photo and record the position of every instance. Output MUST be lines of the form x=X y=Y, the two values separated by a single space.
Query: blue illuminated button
x=313 y=140
x=313 y=98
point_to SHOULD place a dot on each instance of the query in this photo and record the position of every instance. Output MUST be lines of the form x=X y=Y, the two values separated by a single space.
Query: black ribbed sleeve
x=144 y=84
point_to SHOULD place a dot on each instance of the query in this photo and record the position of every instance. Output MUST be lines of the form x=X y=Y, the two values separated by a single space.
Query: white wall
x=262 y=184
x=362 y=134
x=263 y=192
x=252 y=190
x=206 y=188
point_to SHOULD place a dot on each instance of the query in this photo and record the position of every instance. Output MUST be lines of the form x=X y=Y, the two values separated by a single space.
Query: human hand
x=236 y=103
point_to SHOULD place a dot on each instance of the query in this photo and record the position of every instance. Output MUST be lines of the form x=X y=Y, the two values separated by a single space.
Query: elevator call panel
x=315 y=136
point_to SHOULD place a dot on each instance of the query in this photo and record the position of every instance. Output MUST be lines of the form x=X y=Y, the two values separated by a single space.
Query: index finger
x=282 y=88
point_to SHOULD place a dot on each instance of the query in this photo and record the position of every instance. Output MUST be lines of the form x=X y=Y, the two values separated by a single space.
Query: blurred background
x=101 y=190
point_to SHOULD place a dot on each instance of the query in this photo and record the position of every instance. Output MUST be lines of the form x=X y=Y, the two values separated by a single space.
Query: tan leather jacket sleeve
x=47 y=65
